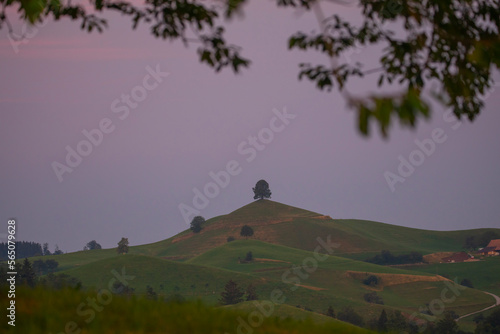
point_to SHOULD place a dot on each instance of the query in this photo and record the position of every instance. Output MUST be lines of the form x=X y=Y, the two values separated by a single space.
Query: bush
x=373 y=298
x=246 y=231
x=371 y=280
x=230 y=238
x=196 y=224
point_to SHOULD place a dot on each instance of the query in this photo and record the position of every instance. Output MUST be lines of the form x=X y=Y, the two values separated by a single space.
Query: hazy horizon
x=161 y=143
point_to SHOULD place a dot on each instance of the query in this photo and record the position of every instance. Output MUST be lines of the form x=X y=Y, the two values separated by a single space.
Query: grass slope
x=45 y=311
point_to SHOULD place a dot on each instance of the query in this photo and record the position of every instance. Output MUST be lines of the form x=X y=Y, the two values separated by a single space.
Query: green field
x=289 y=255
x=66 y=311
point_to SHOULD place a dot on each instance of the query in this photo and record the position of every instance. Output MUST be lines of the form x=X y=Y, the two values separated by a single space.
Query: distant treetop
x=261 y=190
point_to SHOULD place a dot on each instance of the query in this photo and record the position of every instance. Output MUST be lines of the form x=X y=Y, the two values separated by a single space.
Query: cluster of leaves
x=29 y=274
x=371 y=280
x=261 y=190
x=489 y=324
x=197 y=224
x=387 y=258
x=246 y=231
x=188 y=21
x=122 y=246
x=91 y=245
x=453 y=44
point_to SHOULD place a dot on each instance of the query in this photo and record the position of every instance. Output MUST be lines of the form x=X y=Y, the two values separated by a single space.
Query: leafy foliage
x=196 y=224
x=23 y=249
x=382 y=322
x=330 y=312
x=447 y=325
x=371 y=280
x=122 y=246
x=42 y=267
x=489 y=324
x=387 y=258
x=232 y=294
x=453 y=45
x=373 y=298
x=246 y=231
x=166 y=19
x=251 y=293
x=92 y=245
x=261 y=190
x=57 y=251
x=26 y=274
x=46 y=250
x=476 y=241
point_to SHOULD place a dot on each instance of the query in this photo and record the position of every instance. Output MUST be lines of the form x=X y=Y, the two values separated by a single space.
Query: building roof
x=487 y=250
x=494 y=243
x=457 y=257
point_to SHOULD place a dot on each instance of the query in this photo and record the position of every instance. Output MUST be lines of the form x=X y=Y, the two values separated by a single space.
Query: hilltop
x=289 y=253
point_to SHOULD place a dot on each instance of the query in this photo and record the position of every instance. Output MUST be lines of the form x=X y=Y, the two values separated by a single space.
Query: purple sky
x=63 y=81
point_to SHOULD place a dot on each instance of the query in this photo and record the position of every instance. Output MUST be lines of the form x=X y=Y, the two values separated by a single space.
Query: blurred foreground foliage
x=453 y=45
x=42 y=310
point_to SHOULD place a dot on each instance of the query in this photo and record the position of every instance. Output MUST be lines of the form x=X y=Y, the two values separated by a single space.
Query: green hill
x=288 y=248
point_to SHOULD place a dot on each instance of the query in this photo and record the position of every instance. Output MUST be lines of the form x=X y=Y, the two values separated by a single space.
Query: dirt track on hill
x=497 y=302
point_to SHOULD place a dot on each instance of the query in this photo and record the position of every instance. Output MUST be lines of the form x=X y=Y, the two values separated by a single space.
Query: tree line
x=26 y=249
x=387 y=258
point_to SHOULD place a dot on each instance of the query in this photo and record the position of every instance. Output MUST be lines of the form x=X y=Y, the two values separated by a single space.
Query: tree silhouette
x=382 y=322
x=232 y=294
x=196 y=224
x=246 y=231
x=92 y=245
x=122 y=246
x=26 y=274
x=330 y=312
x=447 y=325
x=251 y=293
x=249 y=257
x=261 y=190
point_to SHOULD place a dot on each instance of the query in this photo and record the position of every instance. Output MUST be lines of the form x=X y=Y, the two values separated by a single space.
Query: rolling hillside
x=289 y=248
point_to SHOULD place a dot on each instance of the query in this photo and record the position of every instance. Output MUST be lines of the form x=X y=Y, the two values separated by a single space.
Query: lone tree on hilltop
x=246 y=231
x=261 y=190
x=232 y=294
x=122 y=246
x=196 y=224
